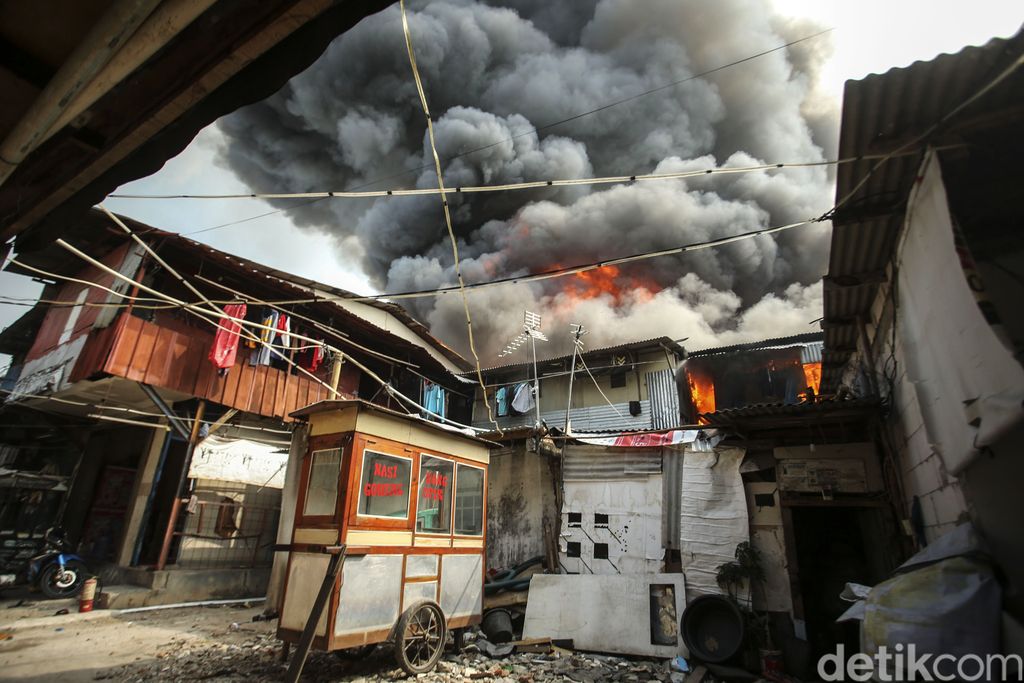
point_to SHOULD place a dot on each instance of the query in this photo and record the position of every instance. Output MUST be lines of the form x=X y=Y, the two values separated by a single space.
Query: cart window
x=434 y=508
x=322 y=489
x=384 y=485
x=469 y=501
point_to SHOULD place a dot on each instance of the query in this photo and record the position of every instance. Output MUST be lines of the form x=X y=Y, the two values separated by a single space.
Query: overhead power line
x=507 y=187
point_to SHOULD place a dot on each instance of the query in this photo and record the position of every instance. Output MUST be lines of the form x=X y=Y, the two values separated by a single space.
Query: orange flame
x=609 y=281
x=702 y=391
x=812 y=375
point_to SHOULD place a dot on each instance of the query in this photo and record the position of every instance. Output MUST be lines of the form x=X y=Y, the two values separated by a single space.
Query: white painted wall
x=633 y=532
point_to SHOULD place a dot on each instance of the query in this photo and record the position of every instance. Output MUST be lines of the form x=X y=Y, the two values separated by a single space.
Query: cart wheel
x=420 y=638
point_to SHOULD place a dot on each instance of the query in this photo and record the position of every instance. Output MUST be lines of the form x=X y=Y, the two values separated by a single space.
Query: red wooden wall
x=176 y=359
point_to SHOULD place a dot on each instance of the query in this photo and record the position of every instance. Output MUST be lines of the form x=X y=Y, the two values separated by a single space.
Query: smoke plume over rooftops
x=495 y=71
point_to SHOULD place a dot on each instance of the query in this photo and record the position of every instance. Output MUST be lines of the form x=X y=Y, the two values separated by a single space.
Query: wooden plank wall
x=177 y=360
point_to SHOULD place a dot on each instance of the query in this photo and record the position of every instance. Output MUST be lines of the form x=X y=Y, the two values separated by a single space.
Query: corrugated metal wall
x=811 y=353
x=585 y=463
x=664 y=399
x=591 y=418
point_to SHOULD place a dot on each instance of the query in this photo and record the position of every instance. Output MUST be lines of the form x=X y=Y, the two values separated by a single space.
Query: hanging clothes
x=261 y=354
x=433 y=398
x=225 y=341
x=313 y=357
x=503 y=398
x=523 y=400
x=281 y=342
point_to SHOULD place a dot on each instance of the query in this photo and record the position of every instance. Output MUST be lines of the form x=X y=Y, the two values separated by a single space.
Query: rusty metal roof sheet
x=881 y=113
x=808 y=338
x=828 y=407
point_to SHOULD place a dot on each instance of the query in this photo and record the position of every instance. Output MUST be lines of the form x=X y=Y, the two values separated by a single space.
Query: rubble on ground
x=257 y=658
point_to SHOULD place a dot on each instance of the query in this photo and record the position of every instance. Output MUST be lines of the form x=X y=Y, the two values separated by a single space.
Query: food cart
x=406 y=498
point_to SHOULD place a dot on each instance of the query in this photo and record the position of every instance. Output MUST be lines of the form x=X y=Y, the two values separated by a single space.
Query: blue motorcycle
x=55 y=569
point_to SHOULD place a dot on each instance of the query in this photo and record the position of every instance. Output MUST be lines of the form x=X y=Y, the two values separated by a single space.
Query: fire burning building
x=786 y=370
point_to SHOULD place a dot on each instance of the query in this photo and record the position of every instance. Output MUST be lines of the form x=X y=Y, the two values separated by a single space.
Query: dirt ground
x=223 y=643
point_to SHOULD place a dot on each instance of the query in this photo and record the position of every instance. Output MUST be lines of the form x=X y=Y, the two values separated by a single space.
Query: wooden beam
x=222 y=420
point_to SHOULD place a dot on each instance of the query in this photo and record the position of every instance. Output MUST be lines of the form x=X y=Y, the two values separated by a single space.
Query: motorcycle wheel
x=55 y=583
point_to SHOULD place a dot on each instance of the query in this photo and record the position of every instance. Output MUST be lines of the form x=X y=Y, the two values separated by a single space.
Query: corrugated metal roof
x=880 y=114
x=625 y=346
x=775 y=343
x=730 y=416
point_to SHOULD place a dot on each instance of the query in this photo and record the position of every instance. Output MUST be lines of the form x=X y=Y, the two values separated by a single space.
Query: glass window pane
x=384 y=485
x=322 y=489
x=434 y=508
x=469 y=501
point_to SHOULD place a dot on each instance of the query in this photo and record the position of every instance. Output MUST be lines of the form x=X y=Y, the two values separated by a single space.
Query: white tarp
x=239 y=460
x=713 y=516
x=969 y=386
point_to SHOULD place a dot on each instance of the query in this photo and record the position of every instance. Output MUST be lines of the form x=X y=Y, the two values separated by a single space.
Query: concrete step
x=123 y=597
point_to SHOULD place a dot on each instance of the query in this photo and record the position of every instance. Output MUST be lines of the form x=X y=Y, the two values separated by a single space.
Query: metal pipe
x=179 y=605
x=536 y=381
x=572 y=372
x=171 y=416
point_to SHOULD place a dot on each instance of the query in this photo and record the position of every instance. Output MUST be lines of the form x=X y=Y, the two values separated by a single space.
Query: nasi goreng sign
x=239 y=460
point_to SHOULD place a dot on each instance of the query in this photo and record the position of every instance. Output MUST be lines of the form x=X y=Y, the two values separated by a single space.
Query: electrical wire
x=508 y=187
x=598 y=386
x=447 y=213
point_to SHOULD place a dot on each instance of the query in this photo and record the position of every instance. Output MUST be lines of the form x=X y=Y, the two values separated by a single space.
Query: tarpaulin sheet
x=239 y=460
x=969 y=386
x=667 y=438
x=713 y=517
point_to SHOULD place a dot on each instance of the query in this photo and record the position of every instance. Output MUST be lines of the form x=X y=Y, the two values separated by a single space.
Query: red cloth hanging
x=225 y=341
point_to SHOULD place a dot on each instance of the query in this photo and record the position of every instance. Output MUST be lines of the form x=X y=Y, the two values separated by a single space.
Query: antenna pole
x=578 y=332
x=536 y=381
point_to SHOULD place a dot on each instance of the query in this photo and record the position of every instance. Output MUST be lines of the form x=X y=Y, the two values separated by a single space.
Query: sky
x=870 y=36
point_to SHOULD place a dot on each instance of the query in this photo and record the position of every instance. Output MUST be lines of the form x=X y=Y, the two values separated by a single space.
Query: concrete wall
x=912 y=458
x=520 y=496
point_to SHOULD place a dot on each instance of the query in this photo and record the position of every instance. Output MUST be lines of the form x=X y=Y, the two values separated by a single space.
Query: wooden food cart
x=407 y=499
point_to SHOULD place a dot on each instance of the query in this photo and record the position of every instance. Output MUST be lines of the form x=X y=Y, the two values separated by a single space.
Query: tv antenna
x=531 y=331
x=577 y=347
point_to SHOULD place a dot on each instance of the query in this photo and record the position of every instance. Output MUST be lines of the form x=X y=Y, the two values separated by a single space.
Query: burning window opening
x=702 y=393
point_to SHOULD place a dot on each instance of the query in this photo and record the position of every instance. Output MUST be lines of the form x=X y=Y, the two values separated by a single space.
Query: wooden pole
x=339 y=360
x=334 y=567
x=165 y=549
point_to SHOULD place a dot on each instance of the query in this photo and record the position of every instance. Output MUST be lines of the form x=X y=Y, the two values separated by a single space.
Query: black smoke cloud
x=493 y=72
